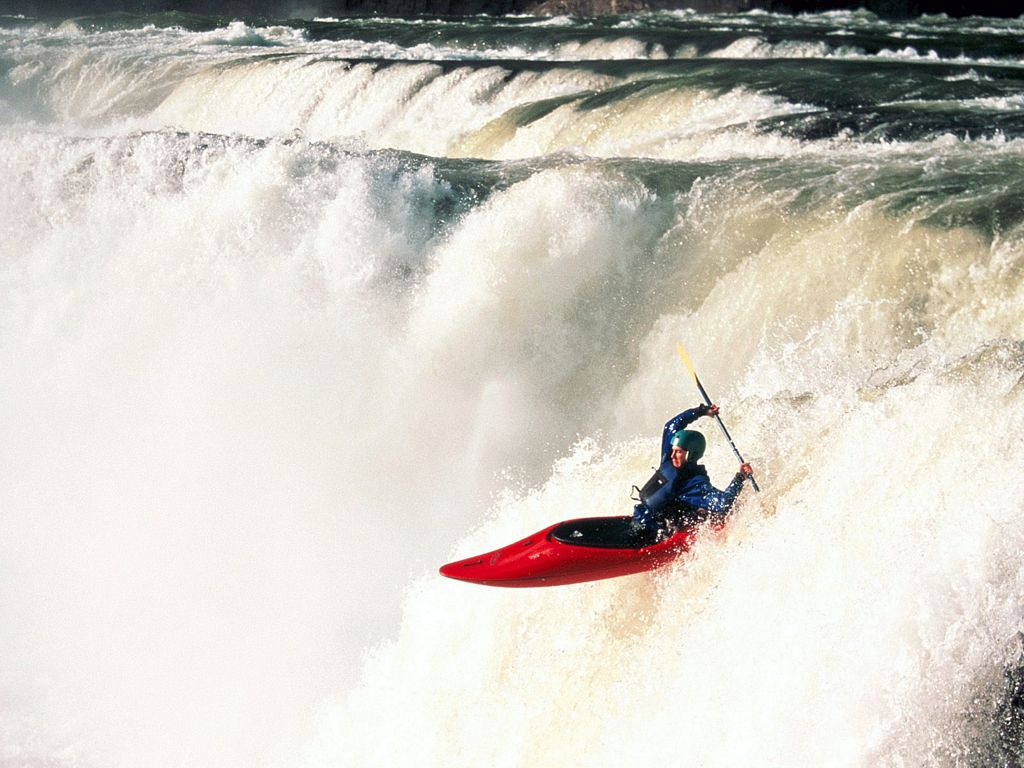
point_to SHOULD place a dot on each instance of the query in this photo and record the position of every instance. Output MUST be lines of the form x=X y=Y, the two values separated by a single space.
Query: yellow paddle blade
x=686 y=359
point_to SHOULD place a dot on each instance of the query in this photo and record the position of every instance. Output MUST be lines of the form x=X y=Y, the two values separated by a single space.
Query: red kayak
x=570 y=552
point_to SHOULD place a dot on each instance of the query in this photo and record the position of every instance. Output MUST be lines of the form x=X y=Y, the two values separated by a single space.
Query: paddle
x=704 y=393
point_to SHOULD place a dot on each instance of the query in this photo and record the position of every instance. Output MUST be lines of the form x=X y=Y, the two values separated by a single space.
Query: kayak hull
x=570 y=552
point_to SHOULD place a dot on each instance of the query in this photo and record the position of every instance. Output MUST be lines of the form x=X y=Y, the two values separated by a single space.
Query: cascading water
x=289 y=315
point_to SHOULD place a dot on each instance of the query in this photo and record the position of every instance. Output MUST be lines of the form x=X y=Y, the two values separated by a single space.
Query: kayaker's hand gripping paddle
x=686 y=361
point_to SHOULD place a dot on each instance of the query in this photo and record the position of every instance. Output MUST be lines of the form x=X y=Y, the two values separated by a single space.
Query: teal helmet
x=691 y=442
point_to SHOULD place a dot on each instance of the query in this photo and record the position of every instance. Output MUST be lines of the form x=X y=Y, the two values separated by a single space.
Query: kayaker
x=680 y=492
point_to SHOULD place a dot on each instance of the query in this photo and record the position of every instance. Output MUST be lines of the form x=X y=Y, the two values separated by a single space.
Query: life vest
x=660 y=493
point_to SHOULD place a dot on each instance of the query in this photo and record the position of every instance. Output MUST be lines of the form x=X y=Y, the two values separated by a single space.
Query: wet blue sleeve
x=643 y=516
x=673 y=425
x=712 y=499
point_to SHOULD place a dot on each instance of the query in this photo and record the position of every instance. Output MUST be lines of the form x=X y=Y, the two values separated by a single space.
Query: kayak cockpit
x=604 y=532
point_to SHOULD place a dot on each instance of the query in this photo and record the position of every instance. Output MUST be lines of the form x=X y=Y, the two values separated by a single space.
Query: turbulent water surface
x=291 y=312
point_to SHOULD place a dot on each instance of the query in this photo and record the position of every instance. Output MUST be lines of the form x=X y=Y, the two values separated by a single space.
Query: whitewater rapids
x=291 y=313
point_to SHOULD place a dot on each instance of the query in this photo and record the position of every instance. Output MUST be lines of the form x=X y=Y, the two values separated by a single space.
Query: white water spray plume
x=292 y=313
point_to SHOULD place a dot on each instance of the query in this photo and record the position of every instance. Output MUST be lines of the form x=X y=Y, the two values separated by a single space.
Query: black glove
x=702 y=409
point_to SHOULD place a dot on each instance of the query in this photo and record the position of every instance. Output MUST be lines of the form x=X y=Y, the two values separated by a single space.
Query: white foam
x=188 y=559
x=655 y=122
x=255 y=386
x=859 y=611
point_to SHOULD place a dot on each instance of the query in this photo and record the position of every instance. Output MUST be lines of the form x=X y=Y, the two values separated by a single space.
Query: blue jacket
x=687 y=494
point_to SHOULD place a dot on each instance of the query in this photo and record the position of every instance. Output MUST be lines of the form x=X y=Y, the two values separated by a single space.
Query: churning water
x=293 y=312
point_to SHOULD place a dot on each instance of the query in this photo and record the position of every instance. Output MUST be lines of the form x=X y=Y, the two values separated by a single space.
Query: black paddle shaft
x=707 y=399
